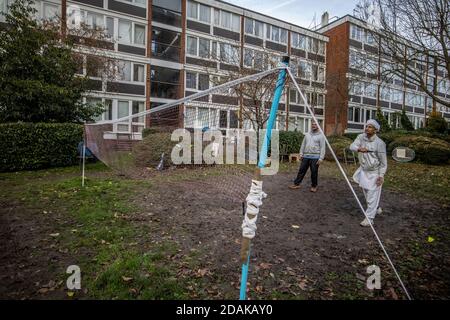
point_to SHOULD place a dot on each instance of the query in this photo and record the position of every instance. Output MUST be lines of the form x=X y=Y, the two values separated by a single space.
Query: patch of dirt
x=32 y=261
x=308 y=245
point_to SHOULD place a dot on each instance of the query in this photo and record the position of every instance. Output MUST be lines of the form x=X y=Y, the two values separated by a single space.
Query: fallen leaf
x=394 y=295
x=43 y=290
x=430 y=239
x=54 y=235
x=126 y=279
x=265 y=266
x=295 y=226
x=70 y=294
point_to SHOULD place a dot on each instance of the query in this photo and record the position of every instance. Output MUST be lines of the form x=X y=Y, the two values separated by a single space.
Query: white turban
x=374 y=123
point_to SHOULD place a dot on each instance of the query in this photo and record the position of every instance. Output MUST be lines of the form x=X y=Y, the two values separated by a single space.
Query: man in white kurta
x=373 y=165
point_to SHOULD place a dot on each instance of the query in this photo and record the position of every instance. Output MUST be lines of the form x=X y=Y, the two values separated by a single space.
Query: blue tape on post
x=263 y=156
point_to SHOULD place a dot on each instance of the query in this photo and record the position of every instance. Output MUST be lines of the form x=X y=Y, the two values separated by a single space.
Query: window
x=191 y=80
x=164 y=82
x=192 y=46
x=198 y=11
x=126 y=32
x=204 y=48
x=124 y=70
x=109 y=27
x=356 y=88
x=356 y=33
x=299 y=41
x=51 y=11
x=227 y=20
x=276 y=34
x=254 y=27
x=305 y=70
x=205 y=13
x=203 y=82
x=166 y=44
x=125 y=28
x=318 y=73
x=197 y=81
x=192 y=10
x=173 y=5
x=138 y=72
x=396 y=96
x=248 y=58
x=93 y=66
x=127 y=70
x=141 y=3
x=370 y=90
x=139 y=34
x=253 y=59
x=138 y=107
x=229 y=53
x=385 y=93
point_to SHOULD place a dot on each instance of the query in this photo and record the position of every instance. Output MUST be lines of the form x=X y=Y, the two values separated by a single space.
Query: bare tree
x=415 y=36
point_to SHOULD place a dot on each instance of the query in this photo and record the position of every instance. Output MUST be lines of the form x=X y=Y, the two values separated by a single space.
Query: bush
x=428 y=150
x=383 y=121
x=147 y=153
x=351 y=135
x=436 y=123
x=151 y=130
x=26 y=146
x=338 y=144
x=290 y=141
x=405 y=122
x=390 y=136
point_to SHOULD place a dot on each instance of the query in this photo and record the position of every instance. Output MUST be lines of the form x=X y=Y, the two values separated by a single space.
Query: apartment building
x=356 y=87
x=163 y=46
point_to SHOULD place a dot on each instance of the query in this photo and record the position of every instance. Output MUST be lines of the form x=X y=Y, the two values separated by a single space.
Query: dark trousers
x=308 y=163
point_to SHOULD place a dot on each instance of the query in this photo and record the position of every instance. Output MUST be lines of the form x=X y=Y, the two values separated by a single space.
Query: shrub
x=428 y=150
x=338 y=144
x=383 y=121
x=390 y=136
x=436 y=123
x=290 y=141
x=151 y=130
x=147 y=153
x=405 y=122
x=26 y=146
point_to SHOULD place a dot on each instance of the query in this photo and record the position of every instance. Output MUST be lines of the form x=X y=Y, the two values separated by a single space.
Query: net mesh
x=215 y=124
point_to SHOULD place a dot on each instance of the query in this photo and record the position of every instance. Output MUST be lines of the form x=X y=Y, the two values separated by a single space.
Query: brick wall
x=336 y=104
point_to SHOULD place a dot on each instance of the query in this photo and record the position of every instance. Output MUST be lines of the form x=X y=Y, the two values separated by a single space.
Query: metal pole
x=84 y=158
x=245 y=247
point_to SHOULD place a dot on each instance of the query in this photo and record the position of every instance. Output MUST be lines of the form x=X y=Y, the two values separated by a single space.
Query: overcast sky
x=299 y=12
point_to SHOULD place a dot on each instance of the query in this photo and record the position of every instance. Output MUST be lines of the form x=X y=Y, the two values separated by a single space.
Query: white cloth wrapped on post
x=254 y=201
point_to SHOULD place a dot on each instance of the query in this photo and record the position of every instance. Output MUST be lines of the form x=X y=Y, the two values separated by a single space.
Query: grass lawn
x=123 y=252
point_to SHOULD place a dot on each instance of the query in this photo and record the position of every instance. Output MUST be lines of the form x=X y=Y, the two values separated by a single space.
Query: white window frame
x=133 y=33
x=270 y=38
x=253 y=33
x=218 y=22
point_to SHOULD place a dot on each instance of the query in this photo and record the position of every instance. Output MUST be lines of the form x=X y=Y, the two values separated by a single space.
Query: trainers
x=294 y=186
x=379 y=210
x=365 y=222
x=313 y=189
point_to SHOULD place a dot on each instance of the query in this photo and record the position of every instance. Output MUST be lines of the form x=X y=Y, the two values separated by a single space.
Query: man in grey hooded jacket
x=312 y=153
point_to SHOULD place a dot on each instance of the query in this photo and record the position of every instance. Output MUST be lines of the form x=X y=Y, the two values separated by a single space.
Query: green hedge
x=290 y=142
x=26 y=146
x=147 y=153
x=428 y=150
x=338 y=144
